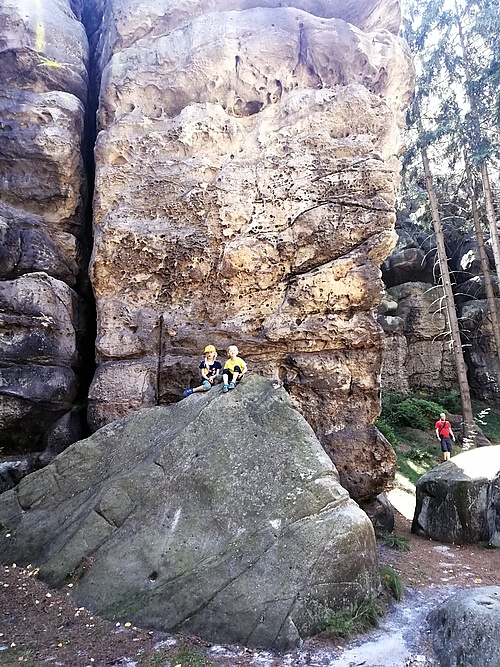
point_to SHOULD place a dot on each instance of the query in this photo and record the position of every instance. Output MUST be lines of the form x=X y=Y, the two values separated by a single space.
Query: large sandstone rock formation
x=417 y=352
x=43 y=88
x=245 y=177
x=459 y=501
x=475 y=323
x=220 y=515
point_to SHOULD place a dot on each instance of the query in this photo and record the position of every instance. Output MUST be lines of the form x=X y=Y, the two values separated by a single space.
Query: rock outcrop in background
x=418 y=353
x=43 y=93
x=475 y=324
x=238 y=532
x=245 y=177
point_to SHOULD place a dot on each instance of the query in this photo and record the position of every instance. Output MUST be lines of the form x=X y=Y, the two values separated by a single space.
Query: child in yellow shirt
x=234 y=369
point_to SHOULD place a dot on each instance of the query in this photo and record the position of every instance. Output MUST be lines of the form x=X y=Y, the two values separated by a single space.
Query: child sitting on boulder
x=234 y=368
x=210 y=371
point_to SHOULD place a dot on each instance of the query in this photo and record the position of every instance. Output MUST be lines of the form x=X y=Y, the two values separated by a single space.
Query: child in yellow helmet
x=211 y=371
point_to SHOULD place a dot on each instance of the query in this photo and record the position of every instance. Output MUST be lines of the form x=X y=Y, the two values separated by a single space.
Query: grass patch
x=347 y=623
x=394 y=541
x=391 y=582
x=157 y=660
x=189 y=657
x=419 y=453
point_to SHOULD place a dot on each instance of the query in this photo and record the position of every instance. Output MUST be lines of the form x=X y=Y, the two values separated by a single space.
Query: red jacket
x=443 y=428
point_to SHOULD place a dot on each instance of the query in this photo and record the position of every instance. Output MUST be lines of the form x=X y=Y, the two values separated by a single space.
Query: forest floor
x=42 y=626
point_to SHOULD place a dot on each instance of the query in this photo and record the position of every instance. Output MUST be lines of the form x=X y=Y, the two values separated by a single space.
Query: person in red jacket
x=444 y=434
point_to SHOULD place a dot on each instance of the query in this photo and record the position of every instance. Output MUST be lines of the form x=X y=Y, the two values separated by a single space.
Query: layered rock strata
x=179 y=518
x=43 y=88
x=245 y=176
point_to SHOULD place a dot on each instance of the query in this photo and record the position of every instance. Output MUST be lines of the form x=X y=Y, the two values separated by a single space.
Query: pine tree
x=456 y=103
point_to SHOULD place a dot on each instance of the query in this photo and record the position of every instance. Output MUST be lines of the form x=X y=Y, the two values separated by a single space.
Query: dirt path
x=42 y=626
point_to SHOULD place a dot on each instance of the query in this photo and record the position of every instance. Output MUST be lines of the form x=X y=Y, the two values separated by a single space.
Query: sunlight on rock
x=480 y=462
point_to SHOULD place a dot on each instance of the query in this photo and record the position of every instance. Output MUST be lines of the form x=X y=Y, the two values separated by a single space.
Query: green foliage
x=347 y=623
x=420 y=456
x=456 y=102
x=394 y=541
x=448 y=399
x=411 y=411
x=390 y=401
x=391 y=581
x=417 y=413
x=416 y=459
x=386 y=429
x=188 y=657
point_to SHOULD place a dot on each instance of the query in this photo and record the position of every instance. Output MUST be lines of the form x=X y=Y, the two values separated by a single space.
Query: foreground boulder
x=220 y=515
x=459 y=501
x=465 y=628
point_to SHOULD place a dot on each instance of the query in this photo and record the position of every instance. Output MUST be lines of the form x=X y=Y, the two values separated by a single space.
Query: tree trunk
x=477 y=138
x=485 y=264
x=490 y=214
x=468 y=419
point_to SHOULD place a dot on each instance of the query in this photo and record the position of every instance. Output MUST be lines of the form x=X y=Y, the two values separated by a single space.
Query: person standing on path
x=443 y=433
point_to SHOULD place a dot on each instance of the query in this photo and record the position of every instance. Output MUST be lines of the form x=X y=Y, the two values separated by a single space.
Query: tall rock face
x=417 y=353
x=417 y=350
x=475 y=323
x=245 y=176
x=43 y=89
x=184 y=518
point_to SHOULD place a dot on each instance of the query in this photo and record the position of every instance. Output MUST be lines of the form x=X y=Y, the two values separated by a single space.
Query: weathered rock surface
x=465 y=628
x=43 y=87
x=459 y=501
x=246 y=169
x=128 y=21
x=480 y=350
x=413 y=258
x=356 y=454
x=417 y=344
x=220 y=515
x=417 y=351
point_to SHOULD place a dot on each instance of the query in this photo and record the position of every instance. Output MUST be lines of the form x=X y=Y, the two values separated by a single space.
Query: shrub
x=392 y=582
x=348 y=623
x=389 y=402
x=386 y=429
x=394 y=541
x=449 y=400
x=416 y=413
